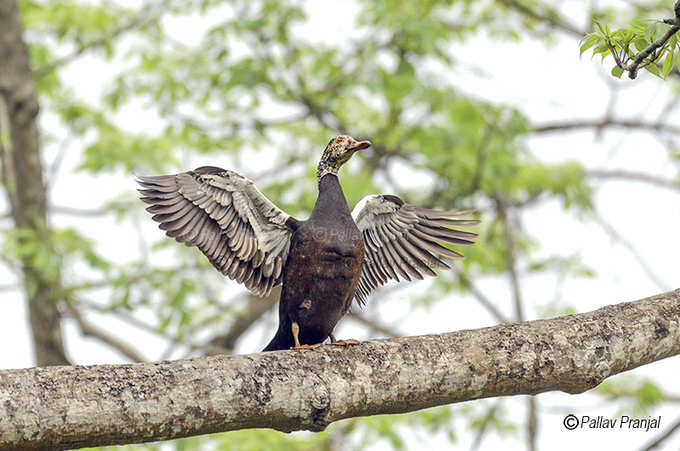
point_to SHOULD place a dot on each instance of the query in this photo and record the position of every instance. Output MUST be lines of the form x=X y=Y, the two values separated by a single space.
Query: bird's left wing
x=403 y=240
x=243 y=234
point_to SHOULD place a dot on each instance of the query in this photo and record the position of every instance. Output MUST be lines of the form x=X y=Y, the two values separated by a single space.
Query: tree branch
x=658 y=441
x=622 y=174
x=599 y=124
x=78 y=406
x=551 y=17
x=255 y=308
x=19 y=110
x=90 y=330
x=651 y=49
x=146 y=16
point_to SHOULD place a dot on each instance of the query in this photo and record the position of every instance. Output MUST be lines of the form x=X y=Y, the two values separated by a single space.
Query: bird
x=323 y=263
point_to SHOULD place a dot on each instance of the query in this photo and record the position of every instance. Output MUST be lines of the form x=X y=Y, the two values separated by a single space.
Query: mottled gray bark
x=22 y=177
x=65 y=407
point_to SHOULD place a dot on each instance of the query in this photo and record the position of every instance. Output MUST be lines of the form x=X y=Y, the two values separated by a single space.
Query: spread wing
x=243 y=234
x=403 y=240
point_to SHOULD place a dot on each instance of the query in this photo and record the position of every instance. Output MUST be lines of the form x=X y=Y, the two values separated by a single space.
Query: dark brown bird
x=324 y=262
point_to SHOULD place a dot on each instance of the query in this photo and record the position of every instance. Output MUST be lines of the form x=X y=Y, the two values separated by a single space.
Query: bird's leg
x=348 y=342
x=295 y=328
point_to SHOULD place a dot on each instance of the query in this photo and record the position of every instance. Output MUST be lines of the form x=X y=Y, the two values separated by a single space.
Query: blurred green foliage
x=257 y=85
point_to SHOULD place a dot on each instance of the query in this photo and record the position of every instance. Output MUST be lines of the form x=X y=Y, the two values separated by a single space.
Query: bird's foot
x=348 y=342
x=298 y=347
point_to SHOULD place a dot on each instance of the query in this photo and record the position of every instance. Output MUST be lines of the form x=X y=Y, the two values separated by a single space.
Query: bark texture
x=22 y=176
x=77 y=406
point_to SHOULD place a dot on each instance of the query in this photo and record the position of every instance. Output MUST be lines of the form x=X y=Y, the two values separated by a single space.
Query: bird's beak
x=359 y=146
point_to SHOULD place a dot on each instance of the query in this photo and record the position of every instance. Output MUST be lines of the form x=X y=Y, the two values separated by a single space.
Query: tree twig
x=90 y=330
x=551 y=17
x=622 y=174
x=606 y=123
x=148 y=15
x=658 y=441
x=616 y=236
x=639 y=59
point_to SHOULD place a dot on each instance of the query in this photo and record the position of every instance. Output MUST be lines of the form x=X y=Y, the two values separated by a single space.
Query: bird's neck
x=326 y=167
x=331 y=200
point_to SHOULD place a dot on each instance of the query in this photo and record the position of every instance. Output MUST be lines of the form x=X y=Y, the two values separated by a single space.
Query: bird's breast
x=327 y=252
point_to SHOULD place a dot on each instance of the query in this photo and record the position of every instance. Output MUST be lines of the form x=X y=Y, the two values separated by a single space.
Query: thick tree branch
x=78 y=406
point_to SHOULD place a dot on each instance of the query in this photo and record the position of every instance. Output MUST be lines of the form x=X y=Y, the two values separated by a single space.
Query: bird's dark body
x=322 y=271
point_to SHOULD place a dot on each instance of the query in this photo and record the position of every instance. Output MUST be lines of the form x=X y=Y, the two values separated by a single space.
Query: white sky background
x=546 y=83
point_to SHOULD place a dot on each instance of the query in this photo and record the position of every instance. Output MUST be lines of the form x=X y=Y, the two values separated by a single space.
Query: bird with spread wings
x=325 y=262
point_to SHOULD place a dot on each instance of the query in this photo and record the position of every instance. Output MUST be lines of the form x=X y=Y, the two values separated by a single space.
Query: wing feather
x=243 y=234
x=405 y=242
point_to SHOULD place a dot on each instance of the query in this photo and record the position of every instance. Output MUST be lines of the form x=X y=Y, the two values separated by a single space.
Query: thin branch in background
x=55 y=166
x=622 y=174
x=551 y=127
x=532 y=423
x=549 y=16
x=511 y=260
x=481 y=431
x=87 y=329
x=510 y=257
x=127 y=317
x=668 y=108
x=644 y=265
x=144 y=17
x=485 y=302
x=375 y=325
x=82 y=212
x=665 y=435
x=255 y=308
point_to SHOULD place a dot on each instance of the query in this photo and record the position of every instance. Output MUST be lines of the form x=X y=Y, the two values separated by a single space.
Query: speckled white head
x=338 y=151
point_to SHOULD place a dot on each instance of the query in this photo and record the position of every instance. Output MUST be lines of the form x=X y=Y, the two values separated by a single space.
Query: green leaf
x=591 y=41
x=654 y=69
x=668 y=63
x=617 y=71
x=640 y=44
x=677 y=62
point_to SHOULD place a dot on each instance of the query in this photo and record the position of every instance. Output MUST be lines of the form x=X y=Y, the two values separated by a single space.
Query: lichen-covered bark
x=66 y=407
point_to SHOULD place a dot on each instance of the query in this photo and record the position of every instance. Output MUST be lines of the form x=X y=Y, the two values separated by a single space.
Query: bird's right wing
x=243 y=234
x=403 y=240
